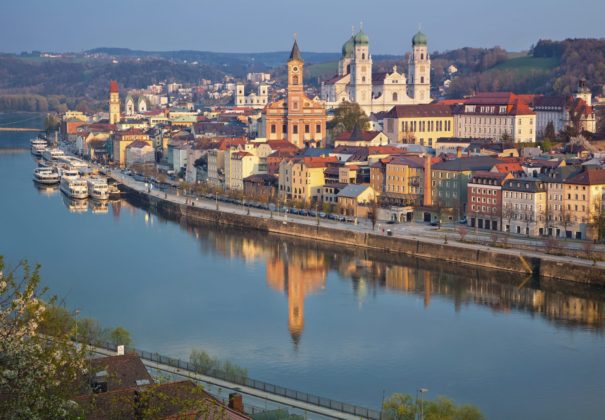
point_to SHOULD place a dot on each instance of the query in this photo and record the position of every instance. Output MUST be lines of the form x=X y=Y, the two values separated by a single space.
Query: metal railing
x=305 y=397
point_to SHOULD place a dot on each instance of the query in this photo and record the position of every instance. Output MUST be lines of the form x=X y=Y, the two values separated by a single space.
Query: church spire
x=295 y=53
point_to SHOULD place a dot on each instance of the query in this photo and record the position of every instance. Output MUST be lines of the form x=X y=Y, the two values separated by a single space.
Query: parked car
x=322 y=215
x=304 y=212
x=391 y=222
x=435 y=223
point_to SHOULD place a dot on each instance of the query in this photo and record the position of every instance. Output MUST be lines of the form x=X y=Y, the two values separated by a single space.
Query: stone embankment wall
x=489 y=258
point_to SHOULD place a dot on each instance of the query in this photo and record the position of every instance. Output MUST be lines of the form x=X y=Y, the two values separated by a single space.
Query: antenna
x=295 y=36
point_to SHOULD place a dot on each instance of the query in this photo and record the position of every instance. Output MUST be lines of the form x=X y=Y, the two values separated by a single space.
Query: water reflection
x=299 y=268
x=46 y=190
x=99 y=207
x=75 y=205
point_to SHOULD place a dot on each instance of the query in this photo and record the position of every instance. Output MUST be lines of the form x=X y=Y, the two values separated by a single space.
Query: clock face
x=295 y=69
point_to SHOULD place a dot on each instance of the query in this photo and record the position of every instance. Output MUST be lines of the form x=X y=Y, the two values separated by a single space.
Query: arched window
x=422 y=56
x=394 y=96
x=363 y=79
x=421 y=79
x=363 y=56
x=295 y=79
x=348 y=68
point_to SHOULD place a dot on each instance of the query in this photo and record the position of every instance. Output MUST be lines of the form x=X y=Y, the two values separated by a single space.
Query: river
x=341 y=323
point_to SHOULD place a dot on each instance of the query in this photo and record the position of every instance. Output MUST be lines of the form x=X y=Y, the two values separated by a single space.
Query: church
x=296 y=118
x=377 y=91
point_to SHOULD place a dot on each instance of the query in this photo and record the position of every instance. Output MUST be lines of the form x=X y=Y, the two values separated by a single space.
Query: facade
x=139 y=152
x=524 y=206
x=242 y=165
x=374 y=91
x=450 y=180
x=135 y=105
x=492 y=115
x=297 y=119
x=353 y=200
x=252 y=100
x=419 y=124
x=583 y=201
x=484 y=195
x=302 y=179
x=123 y=139
x=114 y=102
x=403 y=180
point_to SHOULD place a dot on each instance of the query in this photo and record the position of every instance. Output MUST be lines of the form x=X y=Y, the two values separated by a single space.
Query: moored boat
x=38 y=146
x=72 y=185
x=52 y=154
x=98 y=189
x=46 y=175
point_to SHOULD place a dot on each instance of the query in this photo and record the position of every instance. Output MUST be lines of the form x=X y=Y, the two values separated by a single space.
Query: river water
x=344 y=324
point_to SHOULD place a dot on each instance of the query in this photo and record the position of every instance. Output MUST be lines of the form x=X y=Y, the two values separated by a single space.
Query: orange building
x=297 y=118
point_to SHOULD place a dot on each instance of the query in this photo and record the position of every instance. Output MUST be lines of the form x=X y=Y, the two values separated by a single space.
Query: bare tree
x=462 y=231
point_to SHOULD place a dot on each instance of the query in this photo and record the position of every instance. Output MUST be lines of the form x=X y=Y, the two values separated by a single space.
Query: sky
x=269 y=25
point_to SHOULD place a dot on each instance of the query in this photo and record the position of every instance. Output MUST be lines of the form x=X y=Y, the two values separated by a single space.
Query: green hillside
x=527 y=63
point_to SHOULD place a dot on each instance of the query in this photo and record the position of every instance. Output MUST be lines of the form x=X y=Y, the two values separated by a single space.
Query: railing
x=342 y=407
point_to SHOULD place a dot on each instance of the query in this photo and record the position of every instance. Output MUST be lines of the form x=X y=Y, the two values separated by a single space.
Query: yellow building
x=583 y=204
x=419 y=124
x=122 y=139
x=302 y=179
x=403 y=180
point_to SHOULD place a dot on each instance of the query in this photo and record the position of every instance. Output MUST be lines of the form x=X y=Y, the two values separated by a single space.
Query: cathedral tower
x=419 y=70
x=114 y=103
x=344 y=64
x=361 y=70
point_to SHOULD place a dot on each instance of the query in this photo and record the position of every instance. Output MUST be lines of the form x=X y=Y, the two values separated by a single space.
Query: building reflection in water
x=298 y=269
x=298 y=274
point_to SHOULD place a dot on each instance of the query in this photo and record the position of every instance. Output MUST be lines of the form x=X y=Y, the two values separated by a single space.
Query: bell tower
x=419 y=69
x=114 y=102
x=295 y=78
x=361 y=70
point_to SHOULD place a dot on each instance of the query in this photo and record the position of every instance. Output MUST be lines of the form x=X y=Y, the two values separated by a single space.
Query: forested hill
x=550 y=67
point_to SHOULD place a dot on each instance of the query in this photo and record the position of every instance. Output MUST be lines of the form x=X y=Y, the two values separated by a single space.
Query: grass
x=323 y=70
x=528 y=63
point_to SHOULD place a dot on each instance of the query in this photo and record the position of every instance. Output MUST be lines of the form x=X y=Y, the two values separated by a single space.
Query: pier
x=21 y=129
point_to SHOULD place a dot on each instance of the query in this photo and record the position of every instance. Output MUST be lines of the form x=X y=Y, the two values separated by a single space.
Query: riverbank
x=538 y=265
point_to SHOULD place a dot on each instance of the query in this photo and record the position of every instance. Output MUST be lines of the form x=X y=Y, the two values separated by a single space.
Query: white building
x=492 y=115
x=524 y=206
x=252 y=100
x=377 y=92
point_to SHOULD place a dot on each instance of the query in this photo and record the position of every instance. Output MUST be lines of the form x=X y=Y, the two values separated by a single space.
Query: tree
x=404 y=407
x=547 y=144
x=597 y=222
x=373 y=212
x=346 y=117
x=119 y=336
x=549 y=132
x=38 y=373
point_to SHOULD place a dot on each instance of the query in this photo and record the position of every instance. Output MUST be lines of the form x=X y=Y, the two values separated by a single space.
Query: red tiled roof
x=113 y=86
x=588 y=177
x=357 y=135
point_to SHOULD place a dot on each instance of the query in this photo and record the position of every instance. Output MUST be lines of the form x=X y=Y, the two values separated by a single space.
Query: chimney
x=236 y=402
x=458 y=152
x=427 y=199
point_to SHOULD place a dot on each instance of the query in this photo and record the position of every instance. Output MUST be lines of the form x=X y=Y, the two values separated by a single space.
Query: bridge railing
x=184 y=365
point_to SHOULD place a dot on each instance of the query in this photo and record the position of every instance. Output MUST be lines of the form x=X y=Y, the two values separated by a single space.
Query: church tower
x=361 y=70
x=419 y=70
x=584 y=92
x=344 y=64
x=114 y=102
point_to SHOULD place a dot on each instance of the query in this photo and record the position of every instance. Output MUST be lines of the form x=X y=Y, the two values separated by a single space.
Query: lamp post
x=216 y=199
x=421 y=391
x=77 y=313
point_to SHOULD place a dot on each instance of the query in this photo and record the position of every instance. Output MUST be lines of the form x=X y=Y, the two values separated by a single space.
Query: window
x=295 y=79
x=318 y=128
x=421 y=79
x=273 y=129
x=394 y=96
x=284 y=128
x=307 y=128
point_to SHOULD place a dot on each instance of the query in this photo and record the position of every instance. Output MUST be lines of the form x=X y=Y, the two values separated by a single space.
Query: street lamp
x=422 y=391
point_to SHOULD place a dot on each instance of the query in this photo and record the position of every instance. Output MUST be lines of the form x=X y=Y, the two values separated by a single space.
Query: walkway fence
x=355 y=410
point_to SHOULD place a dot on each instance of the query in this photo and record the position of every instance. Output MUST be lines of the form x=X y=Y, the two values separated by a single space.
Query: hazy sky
x=268 y=25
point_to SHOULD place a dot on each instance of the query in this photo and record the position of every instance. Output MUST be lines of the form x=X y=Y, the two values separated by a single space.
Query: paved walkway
x=410 y=232
x=253 y=392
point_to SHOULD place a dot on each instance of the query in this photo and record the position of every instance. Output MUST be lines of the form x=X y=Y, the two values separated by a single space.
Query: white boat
x=38 y=146
x=52 y=154
x=46 y=175
x=98 y=188
x=72 y=185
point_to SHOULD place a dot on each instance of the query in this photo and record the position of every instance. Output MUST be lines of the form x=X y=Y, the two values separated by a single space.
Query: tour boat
x=46 y=175
x=98 y=188
x=38 y=146
x=72 y=185
x=52 y=154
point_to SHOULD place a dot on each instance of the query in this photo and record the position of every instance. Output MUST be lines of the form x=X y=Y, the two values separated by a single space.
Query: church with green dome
x=379 y=91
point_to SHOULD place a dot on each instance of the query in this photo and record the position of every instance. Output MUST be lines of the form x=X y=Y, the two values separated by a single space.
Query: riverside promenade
x=434 y=244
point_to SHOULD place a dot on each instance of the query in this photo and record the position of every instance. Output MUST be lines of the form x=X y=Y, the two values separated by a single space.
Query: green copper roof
x=361 y=38
x=348 y=48
x=420 y=39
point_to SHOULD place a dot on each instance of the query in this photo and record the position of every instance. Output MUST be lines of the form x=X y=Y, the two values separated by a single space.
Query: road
x=409 y=231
